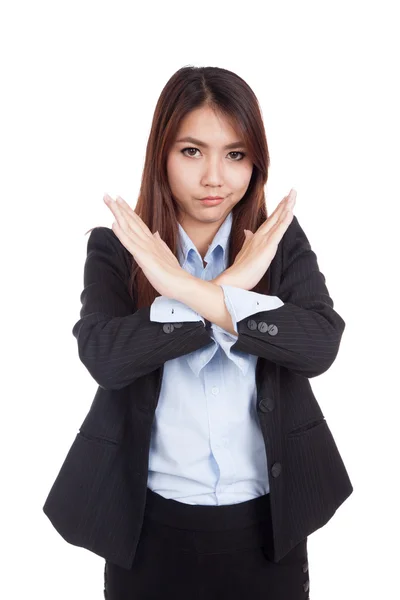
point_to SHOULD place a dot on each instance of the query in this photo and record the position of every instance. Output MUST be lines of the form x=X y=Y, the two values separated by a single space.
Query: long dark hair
x=188 y=89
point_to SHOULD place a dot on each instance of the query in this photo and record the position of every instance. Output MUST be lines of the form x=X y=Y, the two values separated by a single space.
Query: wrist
x=184 y=286
x=224 y=278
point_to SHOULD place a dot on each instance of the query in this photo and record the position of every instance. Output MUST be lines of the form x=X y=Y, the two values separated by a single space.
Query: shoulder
x=104 y=239
x=106 y=236
x=294 y=231
x=295 y=246
x=294 y=237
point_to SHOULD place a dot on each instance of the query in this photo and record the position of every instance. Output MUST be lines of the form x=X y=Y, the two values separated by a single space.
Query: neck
x=201 y=234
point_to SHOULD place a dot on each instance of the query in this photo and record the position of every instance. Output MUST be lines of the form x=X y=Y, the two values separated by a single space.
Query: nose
x=213 y=176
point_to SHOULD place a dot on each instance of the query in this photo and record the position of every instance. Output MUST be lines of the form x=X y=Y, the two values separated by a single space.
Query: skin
x=164 y=272
x=211 y=171
x=195 y=172
x=162 y=268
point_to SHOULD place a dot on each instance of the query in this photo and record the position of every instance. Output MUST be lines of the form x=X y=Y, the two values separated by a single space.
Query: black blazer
x=98 y=498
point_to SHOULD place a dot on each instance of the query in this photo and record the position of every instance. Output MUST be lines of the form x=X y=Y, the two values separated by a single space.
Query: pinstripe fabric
x=98 y=497
x=308 y=329
x=116 y=343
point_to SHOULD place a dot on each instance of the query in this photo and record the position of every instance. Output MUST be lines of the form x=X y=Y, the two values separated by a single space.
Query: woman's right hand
x=259 y=248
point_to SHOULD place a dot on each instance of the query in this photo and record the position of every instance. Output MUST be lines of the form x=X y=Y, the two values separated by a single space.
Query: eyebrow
x=204 y=145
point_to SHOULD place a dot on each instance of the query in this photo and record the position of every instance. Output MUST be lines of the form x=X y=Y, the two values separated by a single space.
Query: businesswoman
x=237 y=316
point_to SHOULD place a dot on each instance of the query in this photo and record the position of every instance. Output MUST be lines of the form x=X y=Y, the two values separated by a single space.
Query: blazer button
x=272 y=330
x=262 y=326
x=178 y=325
x=251 y=324
x=306 y=585
x=267 y=404
x=276 y=469
x=305 y=567
x=168 y=327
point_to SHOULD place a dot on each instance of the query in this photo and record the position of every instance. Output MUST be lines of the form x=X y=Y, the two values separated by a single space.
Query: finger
x=124 y=217
x=117 y=212
x=277 y=231
x=284 y=204
x=131 y=213
x=131 y=241
x=248 y=235
x=128 y=236
x=287 y=202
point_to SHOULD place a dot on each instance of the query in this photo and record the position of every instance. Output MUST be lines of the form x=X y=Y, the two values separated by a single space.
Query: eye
x=243 y=154
x=237 y=152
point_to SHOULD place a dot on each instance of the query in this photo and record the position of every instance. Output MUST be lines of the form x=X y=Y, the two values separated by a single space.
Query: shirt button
x=215 y=390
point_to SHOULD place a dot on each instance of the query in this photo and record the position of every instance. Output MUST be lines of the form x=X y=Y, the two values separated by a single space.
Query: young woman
x=205 y=460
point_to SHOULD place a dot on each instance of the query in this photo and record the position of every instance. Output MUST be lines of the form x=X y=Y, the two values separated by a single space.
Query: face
x=209 y=169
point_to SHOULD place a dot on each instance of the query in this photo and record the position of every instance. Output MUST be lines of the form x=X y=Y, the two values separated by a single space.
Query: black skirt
x=201 y=552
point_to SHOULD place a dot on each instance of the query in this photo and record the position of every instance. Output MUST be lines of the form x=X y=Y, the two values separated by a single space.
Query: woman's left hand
x=153 y=255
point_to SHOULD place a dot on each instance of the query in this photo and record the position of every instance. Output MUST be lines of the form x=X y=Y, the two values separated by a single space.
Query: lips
x=212 y=198
x=212 y=202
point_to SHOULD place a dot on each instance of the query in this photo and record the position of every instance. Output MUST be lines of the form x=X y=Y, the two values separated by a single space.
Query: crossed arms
x=118 y=344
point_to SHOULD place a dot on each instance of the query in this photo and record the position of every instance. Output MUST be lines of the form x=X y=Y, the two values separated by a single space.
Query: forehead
x=208 y=126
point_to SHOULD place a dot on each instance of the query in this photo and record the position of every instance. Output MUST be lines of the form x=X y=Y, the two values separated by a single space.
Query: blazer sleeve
x=116 y=343
x=304 y=333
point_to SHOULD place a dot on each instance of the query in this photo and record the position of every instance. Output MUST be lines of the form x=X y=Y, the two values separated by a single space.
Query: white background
x=79 y=84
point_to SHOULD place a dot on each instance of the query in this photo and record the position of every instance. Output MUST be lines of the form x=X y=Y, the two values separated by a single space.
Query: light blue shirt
x=206 y=443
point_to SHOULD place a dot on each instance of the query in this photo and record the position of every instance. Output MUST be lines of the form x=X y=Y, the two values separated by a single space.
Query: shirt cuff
x=243 y=303
x=169 y=310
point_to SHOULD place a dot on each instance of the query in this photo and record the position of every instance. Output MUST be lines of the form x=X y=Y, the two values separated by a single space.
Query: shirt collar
x=198 y=360
x=220 y=239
